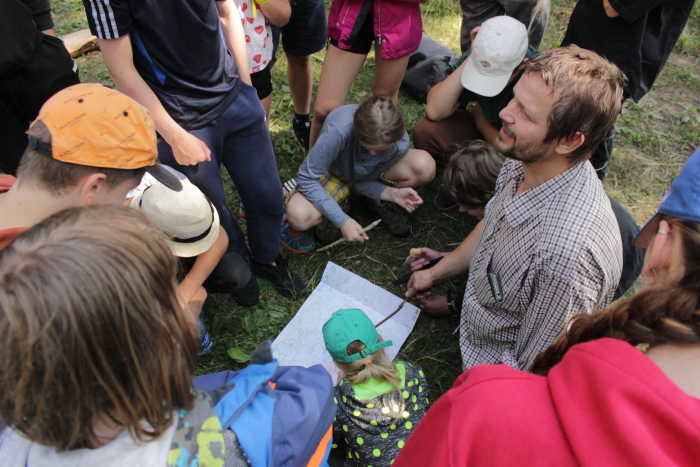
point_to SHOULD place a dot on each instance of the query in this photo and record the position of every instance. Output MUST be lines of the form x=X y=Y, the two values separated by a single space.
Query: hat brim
x=487 y=86
x=647 y=232
x=187 y=250
x=164 y=176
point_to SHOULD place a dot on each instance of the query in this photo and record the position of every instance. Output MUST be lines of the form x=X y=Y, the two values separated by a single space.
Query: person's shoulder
x=342 y=114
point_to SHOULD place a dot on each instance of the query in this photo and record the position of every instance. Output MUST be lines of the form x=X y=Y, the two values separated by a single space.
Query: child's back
x=379 y=403
x=372 y=425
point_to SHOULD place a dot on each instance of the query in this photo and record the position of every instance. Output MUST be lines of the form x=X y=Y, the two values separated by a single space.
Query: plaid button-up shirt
x=555 y=250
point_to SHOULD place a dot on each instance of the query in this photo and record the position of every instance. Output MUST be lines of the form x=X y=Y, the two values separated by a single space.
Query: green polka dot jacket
x=370 y=433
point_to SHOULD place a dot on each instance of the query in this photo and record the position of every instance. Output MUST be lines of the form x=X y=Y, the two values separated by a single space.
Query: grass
x=655 y=138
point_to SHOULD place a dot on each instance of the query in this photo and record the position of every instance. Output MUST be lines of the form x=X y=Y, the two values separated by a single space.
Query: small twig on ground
x=392 y=314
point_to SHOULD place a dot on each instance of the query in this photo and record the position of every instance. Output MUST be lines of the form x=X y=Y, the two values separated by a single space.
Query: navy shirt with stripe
x=179 y=50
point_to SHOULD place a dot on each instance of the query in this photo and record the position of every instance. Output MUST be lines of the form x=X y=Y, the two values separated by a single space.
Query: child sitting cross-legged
x=379 y=402
x=365 y=149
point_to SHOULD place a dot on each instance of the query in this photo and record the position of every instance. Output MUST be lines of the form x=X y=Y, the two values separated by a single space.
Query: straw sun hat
x=187 y=217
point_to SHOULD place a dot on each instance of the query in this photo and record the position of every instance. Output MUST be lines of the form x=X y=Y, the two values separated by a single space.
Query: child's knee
x=298 y=215
x=423 y=166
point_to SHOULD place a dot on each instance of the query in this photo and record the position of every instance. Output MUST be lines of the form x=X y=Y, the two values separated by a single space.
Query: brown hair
x=92 y=329
x=59 y=177
x=470 y=177
x=378 y=123
x=375 y=365
x=653 y=316
x=589 y=93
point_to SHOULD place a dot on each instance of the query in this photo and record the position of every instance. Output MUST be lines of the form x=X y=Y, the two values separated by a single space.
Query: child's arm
x=277 y=12
x=203 y=266
x=117 y=53
x=235 y=38
x=443 y=98
x=329 y=145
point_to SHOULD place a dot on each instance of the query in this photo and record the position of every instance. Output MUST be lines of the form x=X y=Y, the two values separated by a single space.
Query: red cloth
x=605 y=404
x=7 y=235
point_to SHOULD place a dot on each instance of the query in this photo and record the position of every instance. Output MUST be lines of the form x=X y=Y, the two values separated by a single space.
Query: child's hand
x=351 y=231
x=407 y=198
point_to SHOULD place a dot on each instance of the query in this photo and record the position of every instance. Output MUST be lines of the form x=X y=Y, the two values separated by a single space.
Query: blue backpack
x=281 y=415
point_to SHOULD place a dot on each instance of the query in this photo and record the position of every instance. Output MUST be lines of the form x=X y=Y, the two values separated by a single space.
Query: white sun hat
x=498 y=48
x=187 y=217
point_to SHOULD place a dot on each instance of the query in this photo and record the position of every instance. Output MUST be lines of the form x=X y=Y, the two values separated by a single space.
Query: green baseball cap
x=346 y=326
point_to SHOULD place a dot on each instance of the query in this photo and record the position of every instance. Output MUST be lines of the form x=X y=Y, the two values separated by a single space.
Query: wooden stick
x=392 y=314
x=341 y=240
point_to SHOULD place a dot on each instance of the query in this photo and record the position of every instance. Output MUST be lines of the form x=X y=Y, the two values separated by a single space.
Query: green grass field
x=655 y=138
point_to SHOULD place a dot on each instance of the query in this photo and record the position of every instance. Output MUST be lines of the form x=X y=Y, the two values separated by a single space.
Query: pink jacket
x=397 y=24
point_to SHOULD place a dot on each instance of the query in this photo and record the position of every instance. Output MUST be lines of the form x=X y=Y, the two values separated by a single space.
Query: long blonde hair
x=91 y=329
x=375 y=365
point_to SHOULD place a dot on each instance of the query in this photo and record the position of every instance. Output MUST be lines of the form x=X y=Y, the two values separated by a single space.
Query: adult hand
x=420 y=281
x=427 y=256
x=189 y=150
x=351 y=231
x=407 y=198
x=435 y=306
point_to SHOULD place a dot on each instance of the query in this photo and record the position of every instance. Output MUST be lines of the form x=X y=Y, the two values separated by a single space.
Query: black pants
x=23 y=92
x=232 y=273
x=632 y=257
x=601 y=156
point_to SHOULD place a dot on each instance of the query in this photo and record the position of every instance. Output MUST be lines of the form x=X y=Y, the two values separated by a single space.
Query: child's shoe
x=204 y=337
x=302 y=129
x=295 y=241
x=396 y=221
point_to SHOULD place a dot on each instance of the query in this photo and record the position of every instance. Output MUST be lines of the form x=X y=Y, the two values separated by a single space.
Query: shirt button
x=337 y=25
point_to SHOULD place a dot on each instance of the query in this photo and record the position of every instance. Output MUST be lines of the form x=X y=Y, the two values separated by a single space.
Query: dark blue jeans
x=239 y=139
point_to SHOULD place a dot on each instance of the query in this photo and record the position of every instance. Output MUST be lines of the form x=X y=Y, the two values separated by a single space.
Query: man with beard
x=549 y=245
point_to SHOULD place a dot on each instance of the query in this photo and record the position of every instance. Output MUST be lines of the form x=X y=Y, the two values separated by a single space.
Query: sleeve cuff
x=43 y=21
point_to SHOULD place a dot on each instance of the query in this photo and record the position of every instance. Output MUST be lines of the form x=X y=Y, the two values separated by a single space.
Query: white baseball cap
x=187 y=217
x=498 y=48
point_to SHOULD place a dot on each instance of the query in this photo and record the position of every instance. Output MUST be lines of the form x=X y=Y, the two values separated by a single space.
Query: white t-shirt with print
x=258 y=35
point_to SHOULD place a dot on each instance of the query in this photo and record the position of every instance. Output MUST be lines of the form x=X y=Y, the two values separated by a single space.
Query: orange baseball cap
x=97 y=126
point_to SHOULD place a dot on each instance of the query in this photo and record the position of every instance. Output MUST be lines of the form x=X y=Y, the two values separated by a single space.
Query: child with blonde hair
x=379 y=402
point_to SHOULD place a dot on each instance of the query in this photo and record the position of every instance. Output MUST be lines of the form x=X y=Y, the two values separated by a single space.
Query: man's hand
x=435 y=305
x=427 y=256
x=420 y=281
x=407 y=198
x=189 y=150
x=351 y=231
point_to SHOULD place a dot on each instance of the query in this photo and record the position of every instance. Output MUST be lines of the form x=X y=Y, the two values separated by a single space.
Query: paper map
x=301 y=341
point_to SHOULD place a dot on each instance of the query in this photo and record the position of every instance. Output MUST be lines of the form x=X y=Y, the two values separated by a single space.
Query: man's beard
x=527 y=153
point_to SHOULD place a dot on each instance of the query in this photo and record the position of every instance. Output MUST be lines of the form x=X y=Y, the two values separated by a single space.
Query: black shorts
x=262 y=82
x=305 y=33
x=365 y=38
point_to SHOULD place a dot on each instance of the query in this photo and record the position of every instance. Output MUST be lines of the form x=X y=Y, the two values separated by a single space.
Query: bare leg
x=416 y=168
x=301 y=213
x=266 y=103
x=340 y=69
x=300 y=77
x=388 y=74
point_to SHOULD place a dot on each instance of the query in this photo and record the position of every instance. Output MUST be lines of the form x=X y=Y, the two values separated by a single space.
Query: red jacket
x=397 y=24
x=605 y=404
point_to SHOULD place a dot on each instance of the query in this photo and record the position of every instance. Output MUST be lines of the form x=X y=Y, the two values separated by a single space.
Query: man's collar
x=520 y=208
